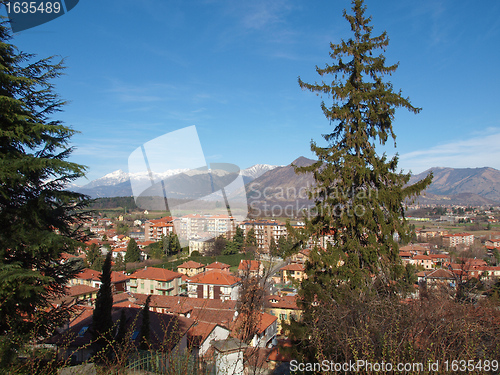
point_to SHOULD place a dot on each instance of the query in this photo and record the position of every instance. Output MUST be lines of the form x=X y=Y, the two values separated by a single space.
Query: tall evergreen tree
x=37 y=216
x=250 y=240
x=145 y=327
x=133 y=253
x=359 y=195
x=102 y=322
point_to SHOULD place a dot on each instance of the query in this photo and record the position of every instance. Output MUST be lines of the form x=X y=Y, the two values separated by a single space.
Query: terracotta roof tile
x=153 y=273
x=214 y=277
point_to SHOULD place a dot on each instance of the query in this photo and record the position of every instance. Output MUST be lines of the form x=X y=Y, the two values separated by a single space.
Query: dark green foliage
x=231 y=248
x=250 y=240
x=37 y=216
x=360 y=195
x=286 y=245
x=273 y=247
x=239 y=237
x=114 y=202
x=145 y=327
x=133 y=253
x=119 y=263
x=102 y=322
x=91 y=255
x=122 y=329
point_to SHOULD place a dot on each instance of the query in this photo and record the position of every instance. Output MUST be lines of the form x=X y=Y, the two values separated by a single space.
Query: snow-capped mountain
x=257 y=170
x=119 y=183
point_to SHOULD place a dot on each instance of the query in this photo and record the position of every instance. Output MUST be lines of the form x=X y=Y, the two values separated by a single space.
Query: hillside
x=481 y=182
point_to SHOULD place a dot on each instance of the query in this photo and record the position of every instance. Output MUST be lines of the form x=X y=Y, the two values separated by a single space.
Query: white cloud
x=475 y=152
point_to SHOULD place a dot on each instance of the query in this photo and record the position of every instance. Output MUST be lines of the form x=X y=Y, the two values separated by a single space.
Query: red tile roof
x=217 y=265
x=293 y=267
x=281 y=302
x=249 y=265
x=214 y=277
x=190 y=264
x=76 y=290
x=153 y=273
x=88 y=274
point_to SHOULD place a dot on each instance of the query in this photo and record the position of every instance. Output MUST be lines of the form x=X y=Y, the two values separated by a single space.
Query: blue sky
x=139 y=69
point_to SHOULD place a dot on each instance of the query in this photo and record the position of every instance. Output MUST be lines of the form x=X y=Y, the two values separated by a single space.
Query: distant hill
x=282 y=187
x=467 y=184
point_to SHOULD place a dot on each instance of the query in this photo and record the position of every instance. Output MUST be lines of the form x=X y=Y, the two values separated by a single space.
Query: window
x=81 y=333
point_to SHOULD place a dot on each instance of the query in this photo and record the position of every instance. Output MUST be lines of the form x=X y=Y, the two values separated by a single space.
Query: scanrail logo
x=24 y=15
x=171 y=175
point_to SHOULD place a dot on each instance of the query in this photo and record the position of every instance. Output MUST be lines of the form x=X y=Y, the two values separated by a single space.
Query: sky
x=137 y=70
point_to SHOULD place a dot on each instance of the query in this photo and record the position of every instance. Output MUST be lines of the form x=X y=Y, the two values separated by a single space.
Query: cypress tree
x=102 y=322
x=145 y=327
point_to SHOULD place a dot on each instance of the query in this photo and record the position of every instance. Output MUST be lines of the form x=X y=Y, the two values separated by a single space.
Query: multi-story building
x=214 y=284
x=453 y=240
x=265 y=232
x=158 y=281
x=155 y=229
x=221 y=225
x=193 y=226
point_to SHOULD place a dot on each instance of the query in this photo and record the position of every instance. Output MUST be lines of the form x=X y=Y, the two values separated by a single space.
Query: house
x=229 y=356
x=81 y=292
x=201 y=245
x=251 y=268
x=215 y=284
x=414 y=249
x=201 y=334
x=283 y=307
x=216 y=311
x=406 y=257
x=87 y=277
x=92 y=278
x=440 y=259
x=171 y=334
x=293 y=271
x=437 y=277
x=266 y=328
x=424 y=261
x=190 y=268
x=301 y=257
x=217 y=266
x=152 y=280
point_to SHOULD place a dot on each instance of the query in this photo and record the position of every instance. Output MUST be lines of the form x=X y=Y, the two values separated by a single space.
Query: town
x=195 y=290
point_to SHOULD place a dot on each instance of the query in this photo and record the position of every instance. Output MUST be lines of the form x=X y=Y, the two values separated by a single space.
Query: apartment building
x=155 y=229
x=157 y=281
x=453 y=240
x=265 y=231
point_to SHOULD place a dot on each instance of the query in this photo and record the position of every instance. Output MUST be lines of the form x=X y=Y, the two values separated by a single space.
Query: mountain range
x=280 y=186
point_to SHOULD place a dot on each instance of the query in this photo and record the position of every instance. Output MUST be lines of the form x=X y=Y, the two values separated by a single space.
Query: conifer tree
x=359 y=195
x=38 y=218
x=145 y=327
x=250 y=240
x=133 y=253
x=102 y=322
